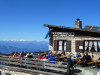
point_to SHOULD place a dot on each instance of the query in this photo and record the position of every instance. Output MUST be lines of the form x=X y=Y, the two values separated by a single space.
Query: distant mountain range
x=7 y=47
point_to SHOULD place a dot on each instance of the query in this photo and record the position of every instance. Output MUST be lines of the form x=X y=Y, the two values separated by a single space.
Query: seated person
x=71 y=54
x=52 y=58
x=12 y=53
x=39 y=57
x=63 y=54
x=84 y=60
x=30 y=55
x=49 y=54
x=88 y=57
x=20 y=56
x=83 y=57
x=56 y=53
x=15 y=54
x=78 y=55
x=44 y=56
x=27 y=55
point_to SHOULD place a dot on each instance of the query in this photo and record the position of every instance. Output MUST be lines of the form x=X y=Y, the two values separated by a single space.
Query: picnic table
x=76 y=58
x=59 y=58
x=96 y=62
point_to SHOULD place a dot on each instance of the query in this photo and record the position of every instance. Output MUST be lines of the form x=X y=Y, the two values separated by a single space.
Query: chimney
x=78 y=24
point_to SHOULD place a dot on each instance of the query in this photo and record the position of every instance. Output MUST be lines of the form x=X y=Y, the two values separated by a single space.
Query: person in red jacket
x=12 y=53
x=39 y=57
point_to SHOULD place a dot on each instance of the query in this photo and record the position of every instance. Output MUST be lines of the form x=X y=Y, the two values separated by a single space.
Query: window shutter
x=79 y=43
x=68 y=46
x=55 y=45
x=77 y=46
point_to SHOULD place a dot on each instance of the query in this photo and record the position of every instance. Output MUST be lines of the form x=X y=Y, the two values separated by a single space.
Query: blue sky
x=24 y=19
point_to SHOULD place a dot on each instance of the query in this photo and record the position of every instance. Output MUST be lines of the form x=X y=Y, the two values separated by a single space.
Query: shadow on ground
x=75 y=71
x=78 y=70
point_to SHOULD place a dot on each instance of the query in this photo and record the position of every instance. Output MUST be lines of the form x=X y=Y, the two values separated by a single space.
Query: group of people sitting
x=21 y=55
x=30 y=55
x=51 y=56
x=86 y=58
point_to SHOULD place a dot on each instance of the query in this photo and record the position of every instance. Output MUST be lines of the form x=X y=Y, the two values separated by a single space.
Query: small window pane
x=64 y=48
x=90 y=43
x=86 y=43
x=99 y=44
x=65 y=43
x=60 y=47
x=95 y=43
x=60 y=42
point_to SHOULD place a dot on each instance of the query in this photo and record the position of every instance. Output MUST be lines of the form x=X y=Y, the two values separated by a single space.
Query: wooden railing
x=33 y=63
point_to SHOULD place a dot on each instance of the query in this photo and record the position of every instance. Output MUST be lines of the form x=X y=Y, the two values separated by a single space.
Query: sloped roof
x=87 y=28
x=92 y=28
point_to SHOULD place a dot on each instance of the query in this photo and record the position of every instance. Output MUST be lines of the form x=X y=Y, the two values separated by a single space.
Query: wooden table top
x=95 y=60
x=76 y=58
x=60 y=57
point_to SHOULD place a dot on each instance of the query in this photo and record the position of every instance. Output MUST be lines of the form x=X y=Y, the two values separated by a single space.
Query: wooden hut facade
x=75 y=39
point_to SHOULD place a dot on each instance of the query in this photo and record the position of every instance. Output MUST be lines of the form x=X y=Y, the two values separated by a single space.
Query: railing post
x=67 y=68
x=44 y=65
x=25 y=60
x=9 y=59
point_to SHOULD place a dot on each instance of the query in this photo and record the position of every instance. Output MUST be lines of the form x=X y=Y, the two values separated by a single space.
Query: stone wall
x=73 y=39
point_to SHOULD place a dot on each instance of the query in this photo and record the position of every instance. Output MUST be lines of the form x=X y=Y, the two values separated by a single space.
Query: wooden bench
x=79 y=62
x=99 y=65
x=89 y=63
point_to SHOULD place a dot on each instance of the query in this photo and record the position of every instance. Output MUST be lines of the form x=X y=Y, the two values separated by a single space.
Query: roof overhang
x=69 y=28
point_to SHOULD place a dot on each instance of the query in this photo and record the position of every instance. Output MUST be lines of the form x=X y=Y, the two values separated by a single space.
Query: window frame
x=93 y=46
x=62 y=45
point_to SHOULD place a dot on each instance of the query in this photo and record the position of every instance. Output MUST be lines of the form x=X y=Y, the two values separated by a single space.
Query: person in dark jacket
x=84 y=60
x=30 y=55
x=71 y=64
x=70 y=61
x=88 y=58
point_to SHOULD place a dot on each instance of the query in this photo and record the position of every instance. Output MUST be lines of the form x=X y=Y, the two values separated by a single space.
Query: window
x=95 y=47
x=65 y=43
x=98 y=46
x=86 y=45
x=92 y=46
x=62 y=45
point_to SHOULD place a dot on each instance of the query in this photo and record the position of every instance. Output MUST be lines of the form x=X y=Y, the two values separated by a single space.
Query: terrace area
x=31 y=66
